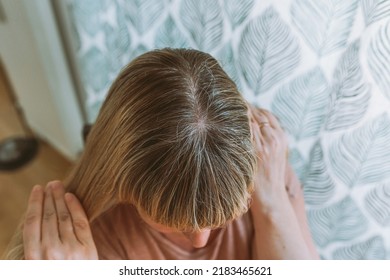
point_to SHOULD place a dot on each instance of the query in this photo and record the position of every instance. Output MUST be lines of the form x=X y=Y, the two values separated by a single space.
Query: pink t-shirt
x=120 y=233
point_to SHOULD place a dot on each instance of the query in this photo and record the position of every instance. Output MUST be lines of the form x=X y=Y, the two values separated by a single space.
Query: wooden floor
x=15 y=186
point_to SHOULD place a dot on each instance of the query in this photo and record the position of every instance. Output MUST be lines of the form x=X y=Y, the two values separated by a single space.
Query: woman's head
x=172 y=138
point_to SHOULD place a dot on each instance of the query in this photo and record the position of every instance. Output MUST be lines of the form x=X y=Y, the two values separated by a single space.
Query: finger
x=50 y=234
x=252 y=125
x=262 y=122
x=272 y=119
x=260 y=117
x=79 y=220
x=32 y=225
x=65 y=226
x=279 y=132
x=266 y=131
x=256 y=135
x=266 y=127
x=258 y=142
x=250 y=110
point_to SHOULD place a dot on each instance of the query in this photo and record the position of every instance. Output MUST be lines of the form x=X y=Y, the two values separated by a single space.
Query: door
x=33 y=56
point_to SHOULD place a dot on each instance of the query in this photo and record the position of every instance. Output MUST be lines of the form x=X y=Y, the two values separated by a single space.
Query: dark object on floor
x=16 y=152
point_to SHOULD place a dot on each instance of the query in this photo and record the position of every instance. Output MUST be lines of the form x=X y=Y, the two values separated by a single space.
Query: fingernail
x=54 y=186
x=36 y=188
x=68 y=196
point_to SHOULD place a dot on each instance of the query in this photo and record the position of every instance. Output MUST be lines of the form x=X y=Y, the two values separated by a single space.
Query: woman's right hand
x=278 y=231
x=271 y=146
x=56 y=226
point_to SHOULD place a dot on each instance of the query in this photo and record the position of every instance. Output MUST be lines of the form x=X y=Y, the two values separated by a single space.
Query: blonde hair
x=172 y=138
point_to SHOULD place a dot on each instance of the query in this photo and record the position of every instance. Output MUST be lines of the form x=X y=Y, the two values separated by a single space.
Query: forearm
x=297 y=202
x=278 y=227
x=277 y=232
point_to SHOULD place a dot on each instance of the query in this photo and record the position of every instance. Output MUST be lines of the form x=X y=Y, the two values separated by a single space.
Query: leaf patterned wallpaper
x=321 y=66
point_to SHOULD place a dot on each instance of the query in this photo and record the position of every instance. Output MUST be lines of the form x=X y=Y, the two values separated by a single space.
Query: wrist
x=270 y=196
x=270 y=209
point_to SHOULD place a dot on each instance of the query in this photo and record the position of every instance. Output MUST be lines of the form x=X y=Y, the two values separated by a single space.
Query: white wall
x=33 y=56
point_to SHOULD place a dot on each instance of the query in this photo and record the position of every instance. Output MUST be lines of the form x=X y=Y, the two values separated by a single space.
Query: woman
x=177 y=166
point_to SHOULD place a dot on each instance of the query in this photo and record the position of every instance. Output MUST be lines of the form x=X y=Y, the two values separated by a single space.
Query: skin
x=281 y=228
x=187 y=239
x=56 y=226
